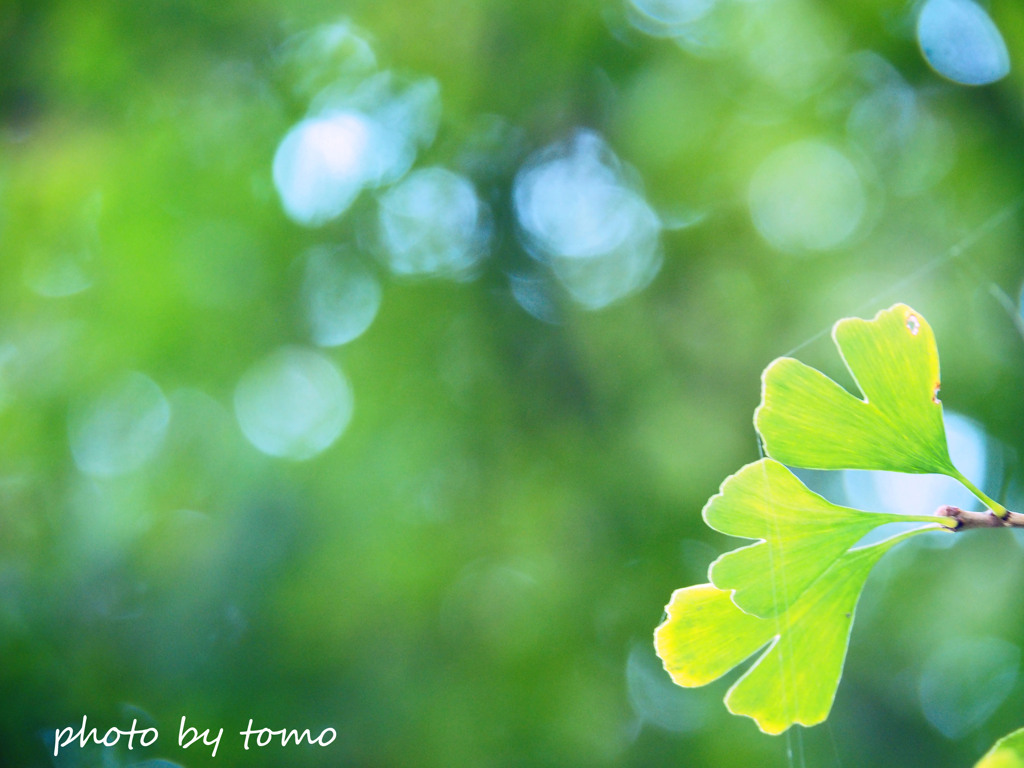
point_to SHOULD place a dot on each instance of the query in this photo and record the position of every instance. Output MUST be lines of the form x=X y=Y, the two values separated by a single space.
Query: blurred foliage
x=470 y=572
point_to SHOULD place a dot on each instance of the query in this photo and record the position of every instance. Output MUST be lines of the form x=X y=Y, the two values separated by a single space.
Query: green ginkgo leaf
x=807 y=420
x=1008 y=752
x=802 y=535
x=795 y=679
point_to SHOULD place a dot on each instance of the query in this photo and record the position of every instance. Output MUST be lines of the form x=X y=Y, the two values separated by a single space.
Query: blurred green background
x=366 y=365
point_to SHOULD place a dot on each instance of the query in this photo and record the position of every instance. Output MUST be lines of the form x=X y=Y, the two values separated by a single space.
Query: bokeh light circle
x=121 y=429
x=293 y=404
x=961 y=42
x=807 y=196
x=432 y=223
x=340 y=296
x=319 y=167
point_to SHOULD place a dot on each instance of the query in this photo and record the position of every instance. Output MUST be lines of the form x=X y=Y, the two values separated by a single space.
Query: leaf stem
x=966 y=520
x=997 y=509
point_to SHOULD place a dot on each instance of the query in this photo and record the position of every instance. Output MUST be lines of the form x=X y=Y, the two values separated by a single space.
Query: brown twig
x=987 y=519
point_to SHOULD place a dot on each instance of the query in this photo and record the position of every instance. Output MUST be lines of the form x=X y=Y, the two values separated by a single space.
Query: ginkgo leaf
x=1008 y=752
x=795 y=679
x=802 y=535
x=807 y=420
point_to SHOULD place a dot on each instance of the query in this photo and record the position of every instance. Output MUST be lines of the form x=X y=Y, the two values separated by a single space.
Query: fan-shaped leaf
x=795 y=680
x=802 y=535
x=807 y=420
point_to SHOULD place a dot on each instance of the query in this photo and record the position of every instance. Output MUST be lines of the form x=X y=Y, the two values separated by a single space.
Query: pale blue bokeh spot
x=580 y=213
x=433 y=223
x=340 y=296
x=321 y=166
x=293 y=404
x=961 y=42
x=121 y=429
